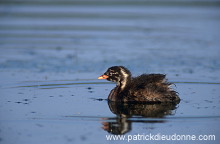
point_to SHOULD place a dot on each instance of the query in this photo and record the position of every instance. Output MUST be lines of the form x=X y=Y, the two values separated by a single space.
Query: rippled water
x=53 y=52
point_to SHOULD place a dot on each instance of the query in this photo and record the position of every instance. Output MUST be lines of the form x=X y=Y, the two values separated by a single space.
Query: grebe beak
x=103 y=77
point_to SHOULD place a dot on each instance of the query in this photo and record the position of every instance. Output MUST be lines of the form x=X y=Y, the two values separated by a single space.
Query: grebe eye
x=115 y=73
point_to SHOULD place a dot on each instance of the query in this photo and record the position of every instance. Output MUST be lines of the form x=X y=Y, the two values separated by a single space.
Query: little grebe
x=152 y=88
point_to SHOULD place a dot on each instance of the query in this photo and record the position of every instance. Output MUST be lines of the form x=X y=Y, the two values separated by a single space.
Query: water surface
x=53 y=52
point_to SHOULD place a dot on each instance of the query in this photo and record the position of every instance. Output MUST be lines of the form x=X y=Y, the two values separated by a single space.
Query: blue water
x=53 y=52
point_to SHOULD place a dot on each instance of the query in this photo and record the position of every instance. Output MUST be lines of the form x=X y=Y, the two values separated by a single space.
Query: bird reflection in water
x=131 y=112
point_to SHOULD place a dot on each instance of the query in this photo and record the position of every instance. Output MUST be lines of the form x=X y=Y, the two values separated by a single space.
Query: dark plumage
x=144 y=88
